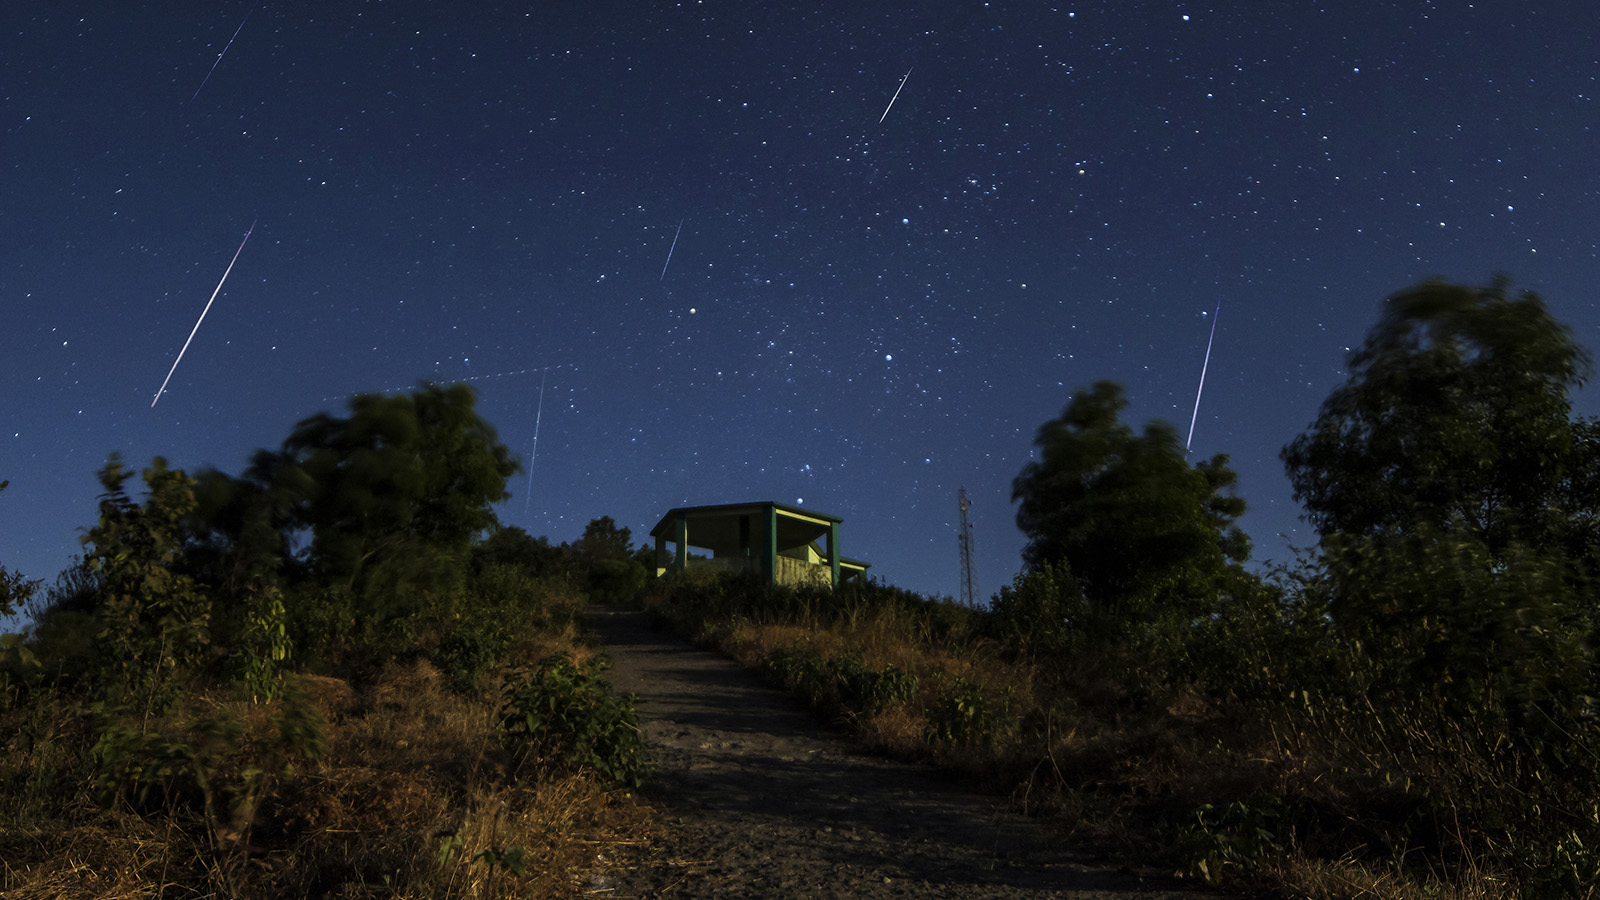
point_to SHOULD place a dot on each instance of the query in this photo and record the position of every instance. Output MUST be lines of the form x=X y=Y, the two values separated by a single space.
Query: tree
x=1456 y=500
x=604 y=539
x=155 y=621
x=401 y=481
x=511 y=546
x=615 y=574
x=1455 y=417
x=1129 y=516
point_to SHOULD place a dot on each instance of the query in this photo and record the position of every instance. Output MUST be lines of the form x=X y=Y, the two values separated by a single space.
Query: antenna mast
x=968 y=577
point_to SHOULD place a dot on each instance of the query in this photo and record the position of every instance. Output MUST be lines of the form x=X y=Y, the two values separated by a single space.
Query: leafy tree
x=1455 y=418
x=237 y=541
x=1457 y=502
x=614 y=572
x=155 y=621
x=512 y=546
x=604 y=539
x=404 y=481
x=1131 y=519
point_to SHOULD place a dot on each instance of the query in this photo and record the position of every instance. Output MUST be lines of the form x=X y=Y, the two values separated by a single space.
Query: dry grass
x=1128 y=774
x=413 y=788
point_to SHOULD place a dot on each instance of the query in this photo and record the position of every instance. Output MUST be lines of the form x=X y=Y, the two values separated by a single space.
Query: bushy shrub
x=561 y=717
x=841 y=685
x=470 y=650
x=615 y=581
x=964 y=715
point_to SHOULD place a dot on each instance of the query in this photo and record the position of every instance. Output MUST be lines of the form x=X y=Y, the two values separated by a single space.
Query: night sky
x=858 y=316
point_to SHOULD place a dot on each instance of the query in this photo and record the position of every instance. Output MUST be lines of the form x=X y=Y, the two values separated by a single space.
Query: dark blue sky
x=858 y=316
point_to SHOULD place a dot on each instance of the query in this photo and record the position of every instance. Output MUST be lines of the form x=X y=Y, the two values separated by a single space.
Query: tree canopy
x=401 y=471
x=1455 y=417
x=1126 y=512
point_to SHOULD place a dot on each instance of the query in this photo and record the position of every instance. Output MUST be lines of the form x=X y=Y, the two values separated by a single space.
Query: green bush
x=562 y=717
x=966 y=716
x=840 y=685
x=615 y=581
x=470 y=650
x=1237 y=835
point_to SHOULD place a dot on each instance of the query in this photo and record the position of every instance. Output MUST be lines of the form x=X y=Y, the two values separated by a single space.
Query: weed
x=966 y=716
x=1233 y=837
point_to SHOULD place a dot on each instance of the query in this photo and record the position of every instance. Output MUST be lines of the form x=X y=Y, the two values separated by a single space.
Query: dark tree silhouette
x=1126 y=512
x=1455 y=418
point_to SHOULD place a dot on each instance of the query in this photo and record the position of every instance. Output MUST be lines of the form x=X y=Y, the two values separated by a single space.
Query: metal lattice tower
x=969 y=590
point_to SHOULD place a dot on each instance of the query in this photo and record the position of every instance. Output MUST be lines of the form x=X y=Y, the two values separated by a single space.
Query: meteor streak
x=221 y=55
x=1203 y=366
x=670 y=249
x=894 y=98
x=527 y=496
x=202 y=316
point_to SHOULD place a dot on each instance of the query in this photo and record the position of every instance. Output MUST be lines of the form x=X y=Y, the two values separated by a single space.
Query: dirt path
x=760 y=801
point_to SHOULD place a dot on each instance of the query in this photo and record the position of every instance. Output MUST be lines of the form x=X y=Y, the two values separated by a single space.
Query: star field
x=858 y=316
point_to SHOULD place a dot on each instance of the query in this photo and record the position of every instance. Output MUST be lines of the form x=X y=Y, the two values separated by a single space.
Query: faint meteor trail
x=1203 y=366
x=203 y=315
x=462 y=379
x=894 y=98
x=221 y=55
x=670 y=249
x=527 y=496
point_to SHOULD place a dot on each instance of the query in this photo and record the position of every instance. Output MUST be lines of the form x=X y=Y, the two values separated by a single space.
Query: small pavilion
x=774 y=540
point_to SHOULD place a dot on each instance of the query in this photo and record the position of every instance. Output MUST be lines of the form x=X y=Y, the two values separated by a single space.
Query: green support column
x=661 y=550
x=680 y=560
x=833 y=551
x=772 y=543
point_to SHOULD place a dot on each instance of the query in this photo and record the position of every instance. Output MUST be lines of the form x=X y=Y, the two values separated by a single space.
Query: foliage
x=1140 y=529
x=1503 y=647
x=18 y=666
x=391 y=495
x=843 y=684
x=1236 y=835
x=604 y=539
x=509 y=545
x=154 y=620
x=966 y=715
x=214 y=761
x=160 y=675
x=264 y=646
x=470 y=650
x=616 y=581
x=563 y=717
x=14 y=589
x=1455 y=417
x=1043 y=611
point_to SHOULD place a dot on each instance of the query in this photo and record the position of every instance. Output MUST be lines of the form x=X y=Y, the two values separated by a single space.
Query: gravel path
x=760 y=801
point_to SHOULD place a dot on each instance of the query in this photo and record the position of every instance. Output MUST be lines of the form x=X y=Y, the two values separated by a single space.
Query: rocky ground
x=759 y=800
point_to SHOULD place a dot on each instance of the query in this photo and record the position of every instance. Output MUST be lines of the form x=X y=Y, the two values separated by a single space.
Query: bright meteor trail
x=221 y=55
x=1203 y=366
x=202 y=315
x=894 y=98
x=670 y=249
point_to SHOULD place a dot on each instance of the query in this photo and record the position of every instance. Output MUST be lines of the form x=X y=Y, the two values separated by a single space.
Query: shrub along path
x=758 y=800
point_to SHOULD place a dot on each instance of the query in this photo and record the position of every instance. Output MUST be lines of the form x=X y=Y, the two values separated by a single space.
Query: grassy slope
x=414 y=797
x=1257 y=799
